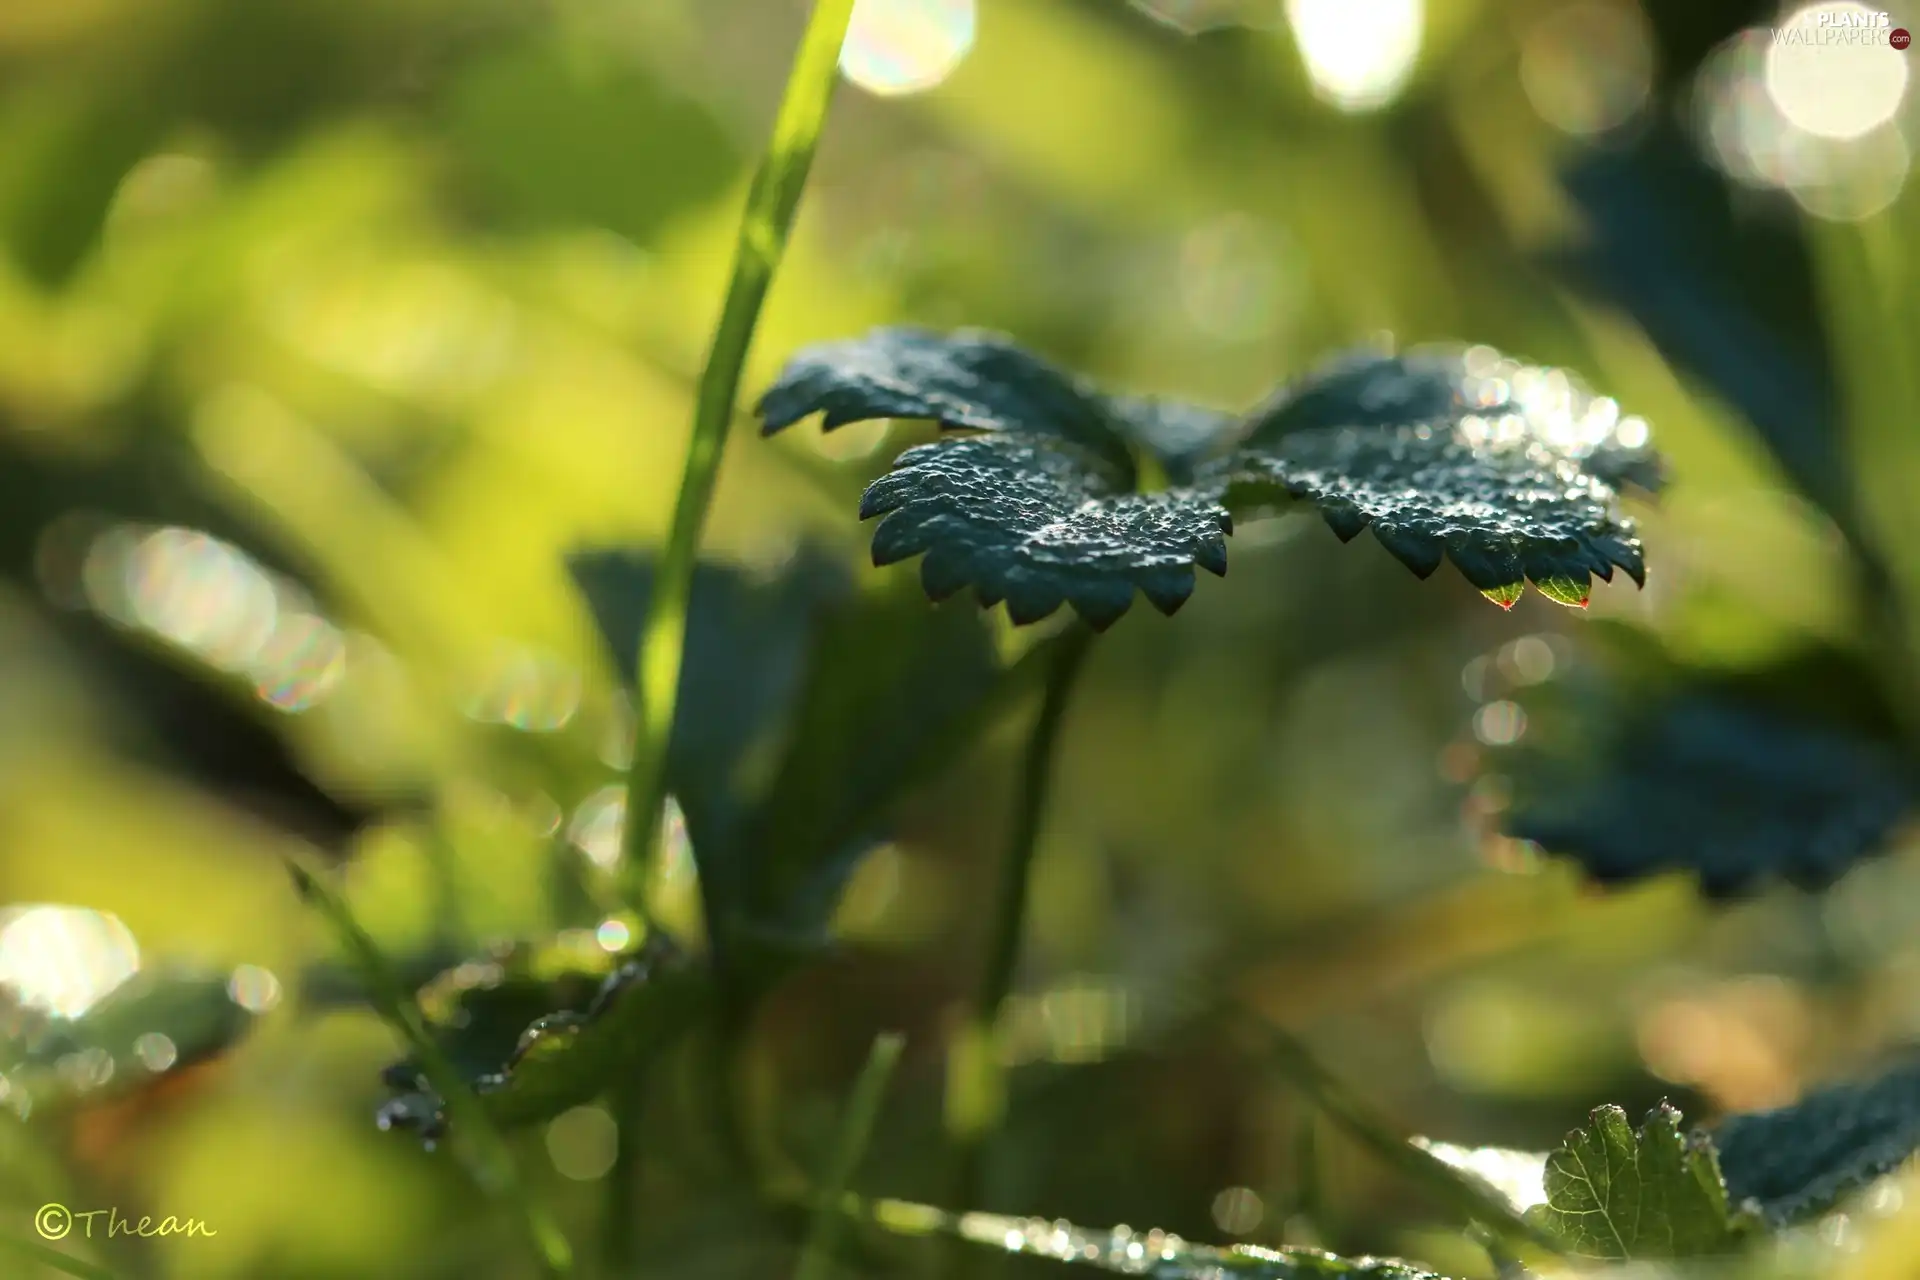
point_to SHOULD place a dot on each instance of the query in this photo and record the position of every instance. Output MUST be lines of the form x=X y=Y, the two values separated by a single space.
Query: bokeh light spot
x=898 y=47
x=1830 y=79
x=254 y=989
x=581 y=1143
x=1588 y=68
x=1238 y=1210
x=156 y=1052
x=1752 y=138
x=1358 y=53
x=1499 y=724
x=62 y=960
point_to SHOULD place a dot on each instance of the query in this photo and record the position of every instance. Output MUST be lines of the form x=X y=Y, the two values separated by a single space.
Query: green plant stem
x=493 y=1165
x=976 y=1086
x=850 y=1146
x=1294 y=1061
x=764 y=229
x=48 y=1256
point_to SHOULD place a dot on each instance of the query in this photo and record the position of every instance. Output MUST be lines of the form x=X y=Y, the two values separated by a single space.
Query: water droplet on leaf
x=1507 y=596
x=1568 y=591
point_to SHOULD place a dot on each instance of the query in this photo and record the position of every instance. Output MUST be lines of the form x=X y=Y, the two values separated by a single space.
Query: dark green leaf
x=1619 y=1195
x=860 y=694
x=747 y=646
x=1799 y=1161
x=1037 y=522
x=156 y=1023
x=1737 y=778
x=537 y=1029
x=965 y=381
x=890 y=688
x=1509 y=470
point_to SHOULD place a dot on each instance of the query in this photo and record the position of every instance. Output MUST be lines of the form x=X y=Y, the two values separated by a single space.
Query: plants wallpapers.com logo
x=1842 y=24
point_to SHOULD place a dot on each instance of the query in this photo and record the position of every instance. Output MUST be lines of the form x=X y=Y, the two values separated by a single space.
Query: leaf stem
x=856 y=1127
x=976 y=1087
x=764 y=228
x=1293 y=1060
x=493 y=1165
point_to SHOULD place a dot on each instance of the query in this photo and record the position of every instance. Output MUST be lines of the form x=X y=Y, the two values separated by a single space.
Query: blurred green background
x=329 y=327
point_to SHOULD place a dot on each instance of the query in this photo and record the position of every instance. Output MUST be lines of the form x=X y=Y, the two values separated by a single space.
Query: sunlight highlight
x=1759 y=112
x=1830 y=86
x=63 y=960
x=1358 y=53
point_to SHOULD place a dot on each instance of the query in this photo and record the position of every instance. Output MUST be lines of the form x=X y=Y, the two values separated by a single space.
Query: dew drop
x=1507 y=596
x=1568 y=591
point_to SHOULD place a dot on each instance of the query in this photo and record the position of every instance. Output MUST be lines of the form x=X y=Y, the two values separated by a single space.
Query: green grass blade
x=1296 y=1063
x=764 y=228
x=856 y=1127
x=48 y=1256
x=765 y=225
x=493 y=1162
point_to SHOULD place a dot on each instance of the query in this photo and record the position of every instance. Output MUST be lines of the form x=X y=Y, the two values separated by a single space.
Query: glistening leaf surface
x=1799 y=1161
x=1157 y=1255
x=1511 y=471
x=1621 y=1195
x=598 y=1017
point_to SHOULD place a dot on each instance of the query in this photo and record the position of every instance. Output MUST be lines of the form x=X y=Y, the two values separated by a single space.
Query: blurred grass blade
x=764 y=228
x=1862 y=273
x=494 y=1167
x=1293 y=1060
x=48 y=1256
x=863 y=1108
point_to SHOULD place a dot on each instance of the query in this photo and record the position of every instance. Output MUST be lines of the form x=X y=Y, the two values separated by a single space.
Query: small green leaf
x=1789 y=770
x=595 y=1018
x=1797 y=1162
x=1624 y=1196
x=1509 y=470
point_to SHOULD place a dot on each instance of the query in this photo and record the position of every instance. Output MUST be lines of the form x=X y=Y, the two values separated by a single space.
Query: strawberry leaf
x=1511 y=471
x=1799 y=1161
x=1738 y=778
x=1621 y=1195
